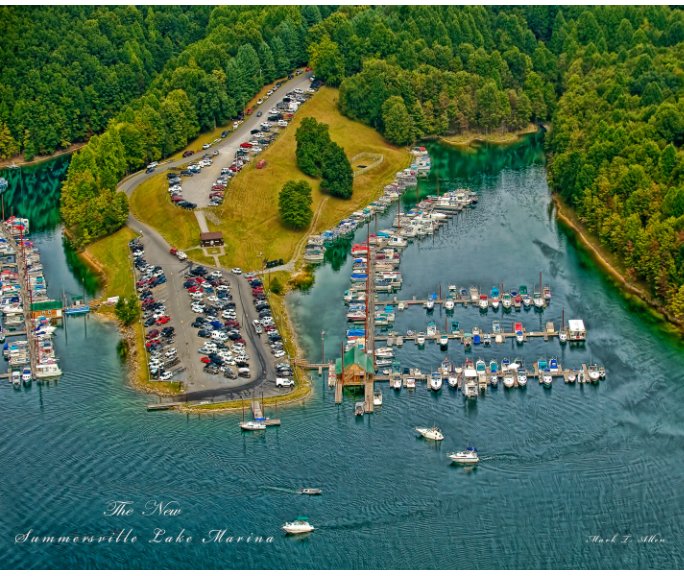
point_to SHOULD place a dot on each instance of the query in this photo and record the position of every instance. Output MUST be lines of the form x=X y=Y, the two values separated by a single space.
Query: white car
x=171 y=353
x=237 y=271
x=266 y=321
x=235 y=125
x=206 y=146
x=258 y=329
x=197 y=308
x=228 y=315
x=223 y=288
x=282 y=123
x=166 y=375
x=181 y=255
x=257 y=149
x=279 y=353
x=197 y=296
x=215 y=274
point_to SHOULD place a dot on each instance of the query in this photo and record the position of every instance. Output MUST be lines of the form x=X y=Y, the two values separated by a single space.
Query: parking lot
x=204 y=179
x=209 y=329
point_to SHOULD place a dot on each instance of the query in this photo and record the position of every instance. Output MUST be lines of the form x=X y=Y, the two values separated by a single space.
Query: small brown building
x=211 y=239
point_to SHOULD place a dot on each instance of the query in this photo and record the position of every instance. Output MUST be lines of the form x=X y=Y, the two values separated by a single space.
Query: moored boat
x=593 y=371
x=251 y=425
x=435 y=381
x=359 y=410
x=433 y=433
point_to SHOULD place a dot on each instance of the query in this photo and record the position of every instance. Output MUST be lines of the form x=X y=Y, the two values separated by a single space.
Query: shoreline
x=566 y=217
x=469 y=139
x=9 y=163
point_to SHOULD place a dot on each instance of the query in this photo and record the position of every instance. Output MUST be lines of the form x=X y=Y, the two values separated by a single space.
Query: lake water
x=559 y=467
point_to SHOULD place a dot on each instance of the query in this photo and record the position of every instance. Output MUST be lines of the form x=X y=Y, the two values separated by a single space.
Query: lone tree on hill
x=295 y=204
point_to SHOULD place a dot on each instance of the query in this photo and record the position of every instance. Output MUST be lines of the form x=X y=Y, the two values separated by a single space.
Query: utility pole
x=322 y=346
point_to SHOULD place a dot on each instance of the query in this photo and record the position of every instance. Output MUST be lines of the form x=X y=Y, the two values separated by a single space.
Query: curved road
x=199 y=384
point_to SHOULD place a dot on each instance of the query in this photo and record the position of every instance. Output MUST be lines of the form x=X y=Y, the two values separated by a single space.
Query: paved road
x=197 y=188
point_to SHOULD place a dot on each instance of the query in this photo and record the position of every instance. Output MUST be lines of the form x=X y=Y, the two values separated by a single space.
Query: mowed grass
x=249 y=216
x=111 y=256
x=150 y=204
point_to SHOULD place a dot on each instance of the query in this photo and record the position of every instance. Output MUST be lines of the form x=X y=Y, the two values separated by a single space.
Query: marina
x=27 y=311
x=372 y=309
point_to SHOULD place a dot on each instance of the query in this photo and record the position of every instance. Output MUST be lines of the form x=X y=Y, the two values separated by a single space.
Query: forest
x=139 y=83
x=66 y=70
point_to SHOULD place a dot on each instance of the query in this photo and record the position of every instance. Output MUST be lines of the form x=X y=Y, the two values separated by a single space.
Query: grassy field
x=110 y=256
x=249 y=215
x=150 y=203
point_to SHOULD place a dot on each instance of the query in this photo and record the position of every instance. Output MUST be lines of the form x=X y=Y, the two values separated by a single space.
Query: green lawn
x=249 y=215
x=111 y=257
x=150 y=203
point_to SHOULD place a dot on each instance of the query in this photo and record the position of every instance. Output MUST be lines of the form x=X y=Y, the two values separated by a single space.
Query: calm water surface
x=559 y=466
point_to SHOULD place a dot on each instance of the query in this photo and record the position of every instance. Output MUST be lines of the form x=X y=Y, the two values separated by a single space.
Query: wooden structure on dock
x=355 y=368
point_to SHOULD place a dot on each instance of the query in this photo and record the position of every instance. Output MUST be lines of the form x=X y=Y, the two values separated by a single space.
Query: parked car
x=188 y=153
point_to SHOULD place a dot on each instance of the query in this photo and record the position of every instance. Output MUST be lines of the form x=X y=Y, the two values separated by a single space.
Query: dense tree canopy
x=295 y=204
x=66 y=70
x=317 y=155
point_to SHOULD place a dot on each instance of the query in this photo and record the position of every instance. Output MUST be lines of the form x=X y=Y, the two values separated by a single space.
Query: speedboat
x=410 y=383
x=493 y=373
x=385 y=352
x=563 y=335
x=484 y=302
x=507 y=301
x=396 y=382
x=487 y=339
x=594 y=374
x=299 y=526
x=250 y=425
x=443 y=341
x=452 y=379
x=435 y=381
x=16 y=378
x=377 y=399
x=521 y=376
x=430 y=304
x=359 y=409
x=468 y=456
x=526 y=300
x=547 y=378
x=420 y=339
x=519 y=334
x=538 y=300
x=602 y=372
x=509 y=378
x=433 y=433
x=553 y=365
x=572 y=376
x=311 y=491
x=448 y=304
x=26 y=376
x=494 y=297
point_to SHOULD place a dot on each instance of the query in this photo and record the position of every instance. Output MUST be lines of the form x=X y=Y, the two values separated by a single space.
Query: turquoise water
x=559 y=466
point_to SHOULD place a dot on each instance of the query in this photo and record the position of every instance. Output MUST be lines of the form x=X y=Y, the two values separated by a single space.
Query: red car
x=151 y=343
x=194 y=289
x=205 y=360
x=232 y=324
x=152 y=334
x=173 y=251
x=176 y=198
x=245 y=145
x=163 y=320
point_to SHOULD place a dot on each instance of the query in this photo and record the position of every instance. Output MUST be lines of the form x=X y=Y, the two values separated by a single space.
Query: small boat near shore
x=251 y=425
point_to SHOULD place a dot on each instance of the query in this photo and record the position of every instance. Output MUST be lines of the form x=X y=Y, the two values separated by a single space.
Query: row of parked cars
x=265 y=325
x=159 y=336
x=222 y=348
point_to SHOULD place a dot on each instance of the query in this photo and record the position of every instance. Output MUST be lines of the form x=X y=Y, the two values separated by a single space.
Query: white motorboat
x=410 y=383
x=522 y=377
x=26 y=376
x=430 y=304
x=359 y=409
x=563 y=335
x=377 y=399
x=594 y=373
x=251 y=425
x=448 y=304
x=468 y=456
x=396 y=382
x=484 y=302
x=385 y=352
x=572 y=376
x=509 y=379
x=444 y=341
x=433 y=433
x=452 y=379
x=420 y=339
x=547 y=377
x=435 y=381
x=299 y=526
x=602 y=372
x=16 y=378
